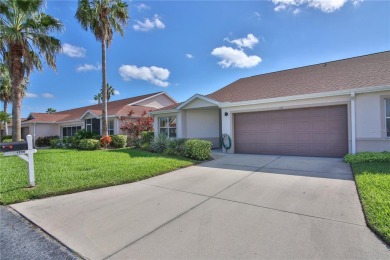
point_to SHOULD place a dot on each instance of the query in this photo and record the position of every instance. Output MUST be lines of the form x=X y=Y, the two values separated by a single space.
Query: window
x=92 y=125
x=70 y=130
x=110 y=127
x=387 y=117
x=167 y=125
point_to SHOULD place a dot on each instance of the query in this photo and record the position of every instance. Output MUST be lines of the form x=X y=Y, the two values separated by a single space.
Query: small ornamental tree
x=134 y=126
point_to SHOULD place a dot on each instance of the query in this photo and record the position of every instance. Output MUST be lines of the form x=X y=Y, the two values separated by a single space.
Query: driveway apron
x=237 y=206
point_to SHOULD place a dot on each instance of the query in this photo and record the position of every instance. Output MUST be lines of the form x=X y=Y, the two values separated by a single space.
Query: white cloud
x=142 y=7
x=189 y=55
x=247 y=42
x=326 y=6
x=257 y=14
x=235 y=58
x=149 y=24
x=116 y=92
x=297 y=11
x=88 y=67
x=47 y=95
x=280 y=8
x=73 y=51
x=155 y=75
x=31 y=95
x=356 y=3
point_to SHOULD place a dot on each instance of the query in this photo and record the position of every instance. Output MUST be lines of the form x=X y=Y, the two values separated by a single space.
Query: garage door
x=316 y=131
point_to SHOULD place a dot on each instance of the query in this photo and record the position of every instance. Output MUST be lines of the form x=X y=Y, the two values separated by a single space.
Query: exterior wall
x=370 y=122
x=227 y=121
x=203 y=124
x=157 y=102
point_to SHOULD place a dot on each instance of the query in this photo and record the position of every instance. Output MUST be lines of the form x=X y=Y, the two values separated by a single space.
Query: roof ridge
x=312 y=65
x=88 y=107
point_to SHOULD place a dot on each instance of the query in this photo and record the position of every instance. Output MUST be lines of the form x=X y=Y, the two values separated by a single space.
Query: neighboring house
x=327 y=109
x=67 y=123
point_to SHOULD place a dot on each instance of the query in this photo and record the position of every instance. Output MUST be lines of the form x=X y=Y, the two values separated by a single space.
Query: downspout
x=34 y=135
x=353 y=123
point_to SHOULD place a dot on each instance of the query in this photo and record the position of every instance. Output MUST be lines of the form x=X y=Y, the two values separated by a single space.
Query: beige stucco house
x=67 y=123
x=327 y=109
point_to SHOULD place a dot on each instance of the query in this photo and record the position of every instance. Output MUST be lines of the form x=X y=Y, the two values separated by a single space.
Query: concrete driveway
x=237 y=206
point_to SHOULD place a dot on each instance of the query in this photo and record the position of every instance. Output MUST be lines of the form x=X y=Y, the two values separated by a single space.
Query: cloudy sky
x=189 y=47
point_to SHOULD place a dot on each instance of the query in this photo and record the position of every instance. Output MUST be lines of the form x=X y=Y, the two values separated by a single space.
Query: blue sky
x=189 y=47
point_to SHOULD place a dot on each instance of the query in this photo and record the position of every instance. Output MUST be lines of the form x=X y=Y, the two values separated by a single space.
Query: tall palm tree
x=24 y=39
x=5 y=91
x=103 y=17
x=4 y=119
x=98 y=97
x=110 y=91
x=51 y=110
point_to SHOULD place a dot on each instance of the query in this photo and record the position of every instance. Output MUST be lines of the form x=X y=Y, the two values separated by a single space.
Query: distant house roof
x=114 y=108
x=353 y=73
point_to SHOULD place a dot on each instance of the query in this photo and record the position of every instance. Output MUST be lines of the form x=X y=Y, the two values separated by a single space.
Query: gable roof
x=114 y=108
x=353 y=73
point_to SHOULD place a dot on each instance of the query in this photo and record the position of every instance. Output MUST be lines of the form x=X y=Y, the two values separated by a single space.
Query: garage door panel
x=318 y=131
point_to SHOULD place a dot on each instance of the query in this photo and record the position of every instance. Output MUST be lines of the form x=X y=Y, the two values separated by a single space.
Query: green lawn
x=373 y=183
x=65 y=171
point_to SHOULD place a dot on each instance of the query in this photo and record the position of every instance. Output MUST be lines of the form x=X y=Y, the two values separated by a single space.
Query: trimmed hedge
x=6 y=137
x=367 y=157
x=8 y=140
x=198 y=149
x=89 y=144
x=119 y=141
x=44 y=141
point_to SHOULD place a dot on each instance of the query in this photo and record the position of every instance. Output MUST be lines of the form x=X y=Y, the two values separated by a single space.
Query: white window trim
x=168 y=127
x=88 y=124
x=70 y=126
x=113 y=126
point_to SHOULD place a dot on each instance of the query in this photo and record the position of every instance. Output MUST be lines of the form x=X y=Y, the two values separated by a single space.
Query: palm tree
x=24 y=39
x=5 y=92
x=98 y=97
x=4 y=119
x=110 y=91
x=103 y=17
x=51 y=110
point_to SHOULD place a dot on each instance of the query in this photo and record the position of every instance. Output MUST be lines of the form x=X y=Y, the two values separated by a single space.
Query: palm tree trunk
x=17 y=78
x=104 y=88
x=5 y=123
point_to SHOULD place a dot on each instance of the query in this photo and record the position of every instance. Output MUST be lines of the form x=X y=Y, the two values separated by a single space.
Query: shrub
x=119 y=141
x=7 y=140
x=56 y=143
x=89 y=144
x=135 y=142
x=44 y=141
x=84 y=134
x=147 y=137
x=105 y=141
x=159 y=144
x=198 y=149
x=6 y=137
x=176 y=147
x=367 y=157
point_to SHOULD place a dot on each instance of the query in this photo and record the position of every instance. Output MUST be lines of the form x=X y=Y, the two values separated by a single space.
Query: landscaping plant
x=105 y=141
x=119 y=141
x=89 y=144
x=198 y=149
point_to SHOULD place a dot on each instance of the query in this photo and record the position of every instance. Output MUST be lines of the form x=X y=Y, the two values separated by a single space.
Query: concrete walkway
x=237 y=206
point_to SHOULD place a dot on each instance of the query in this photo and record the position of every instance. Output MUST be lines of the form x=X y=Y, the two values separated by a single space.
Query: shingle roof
x=359 y=72
x=114 y=108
